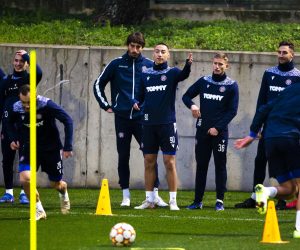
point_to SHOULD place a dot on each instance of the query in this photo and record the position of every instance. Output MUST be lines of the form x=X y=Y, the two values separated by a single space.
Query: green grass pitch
x=156 y=228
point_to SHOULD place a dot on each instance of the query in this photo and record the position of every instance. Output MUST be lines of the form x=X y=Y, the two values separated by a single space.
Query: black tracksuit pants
x=125 y=129
x=205 y=146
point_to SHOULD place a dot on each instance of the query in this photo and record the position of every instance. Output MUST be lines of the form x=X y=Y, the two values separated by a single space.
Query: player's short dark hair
x=24 y=89
x=161 y=43
x=222 y=55
x=136 y=37
x=287 y=43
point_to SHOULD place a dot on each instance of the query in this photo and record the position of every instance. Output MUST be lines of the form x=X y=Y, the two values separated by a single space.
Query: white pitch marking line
x=161 y=216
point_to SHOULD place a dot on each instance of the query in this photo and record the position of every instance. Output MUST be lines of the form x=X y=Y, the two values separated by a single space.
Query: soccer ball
x=122 y=234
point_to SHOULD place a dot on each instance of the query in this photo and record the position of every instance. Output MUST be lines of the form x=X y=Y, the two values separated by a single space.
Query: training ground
x=156 y=228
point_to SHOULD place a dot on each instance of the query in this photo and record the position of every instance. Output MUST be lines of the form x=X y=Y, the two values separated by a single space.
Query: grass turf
x=156 y=228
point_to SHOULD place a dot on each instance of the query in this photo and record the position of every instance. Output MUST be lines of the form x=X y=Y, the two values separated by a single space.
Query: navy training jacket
x=282 y=115
x=9 y=88
x=48 y=137
x=219 y=98
x=159 y=92
x=124 y=74
x=275 y=80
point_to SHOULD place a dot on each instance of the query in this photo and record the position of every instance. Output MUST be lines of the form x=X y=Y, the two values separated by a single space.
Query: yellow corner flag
x=103 y=206
x=33 y=240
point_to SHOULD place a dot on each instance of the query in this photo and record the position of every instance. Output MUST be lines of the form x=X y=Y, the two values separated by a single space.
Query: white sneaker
x=40 y=214
x=160 y=202
x=173 y=206
x=145 y=204
x=64 y=206
x=261 y=198
x=125 y=202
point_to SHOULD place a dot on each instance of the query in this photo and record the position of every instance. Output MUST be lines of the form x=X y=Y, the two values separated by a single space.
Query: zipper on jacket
x=133 y=84
x=116 y=100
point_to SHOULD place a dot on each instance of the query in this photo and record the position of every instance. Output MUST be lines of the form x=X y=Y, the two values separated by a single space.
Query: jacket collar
x=130 y=59
x=160 y=66
x=286 y=66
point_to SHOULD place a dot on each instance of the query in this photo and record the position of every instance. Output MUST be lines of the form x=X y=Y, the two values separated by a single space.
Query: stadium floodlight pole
x=33 y=235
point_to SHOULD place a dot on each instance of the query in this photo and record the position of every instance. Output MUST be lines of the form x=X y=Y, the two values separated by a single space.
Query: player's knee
x=59 y=185
x=25 y=178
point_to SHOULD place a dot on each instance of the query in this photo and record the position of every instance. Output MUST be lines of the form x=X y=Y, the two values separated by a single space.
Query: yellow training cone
x=271 y=232
x=103 y=206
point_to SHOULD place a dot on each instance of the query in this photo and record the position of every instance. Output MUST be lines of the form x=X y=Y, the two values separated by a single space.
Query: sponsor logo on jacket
x=156 y=88
x=212 y=97
x=276 y=89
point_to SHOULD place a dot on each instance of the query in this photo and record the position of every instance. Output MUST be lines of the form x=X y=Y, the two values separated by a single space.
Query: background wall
x=68 y=77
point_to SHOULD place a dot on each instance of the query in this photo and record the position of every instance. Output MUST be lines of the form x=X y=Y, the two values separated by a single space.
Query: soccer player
x=10 y=85
x=219 y=99
x=275 y=80
x=281 y=119
x=159 y=84
x=49 y=146
x=124 y=74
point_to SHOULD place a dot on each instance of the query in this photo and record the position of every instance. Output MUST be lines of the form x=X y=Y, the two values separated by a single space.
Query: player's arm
x=67 y=121
x=2 y=74
x=262 y=98
x=100 y=84
x=259 y=119
x=12 y=132
x=191 y=93
x=138 y=102
x=2 y=96
x=185 y=72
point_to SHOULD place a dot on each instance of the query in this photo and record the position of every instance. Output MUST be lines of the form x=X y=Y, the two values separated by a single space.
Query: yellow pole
x=33 y=238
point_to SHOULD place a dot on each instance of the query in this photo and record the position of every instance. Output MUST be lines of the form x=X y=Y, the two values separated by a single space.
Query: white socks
x=10 y=191
x=272 y=191
x=155 y=193
x=39 y=206
x=298 y=220
x=64 y=196
x=150 y=196
x=126 y=193
x=173 y=196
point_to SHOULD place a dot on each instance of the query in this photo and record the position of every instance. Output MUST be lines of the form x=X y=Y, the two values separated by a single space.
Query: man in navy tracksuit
x=49 y=147
x=124 y=75
x=219 y=99
x=274 y=81
x=10 y=85
x=281 y=118
x=157 y=100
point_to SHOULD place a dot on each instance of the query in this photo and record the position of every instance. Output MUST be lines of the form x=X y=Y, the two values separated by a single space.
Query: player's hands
x=213 y=132
x=259 y=135
x=15 y=145
x=244 y=142
x=190 y=58
x=195 y=111
x=136 y=106
x=67 y=154
x=109 y=110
